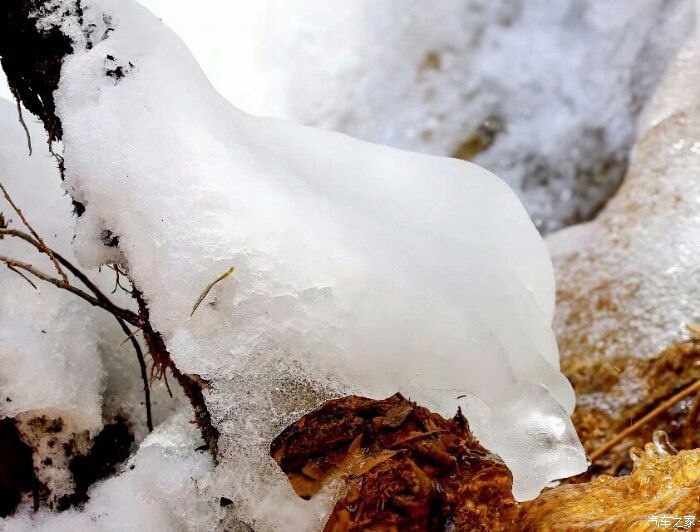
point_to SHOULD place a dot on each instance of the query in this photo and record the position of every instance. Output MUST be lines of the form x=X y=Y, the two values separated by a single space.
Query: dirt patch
x=16 y=472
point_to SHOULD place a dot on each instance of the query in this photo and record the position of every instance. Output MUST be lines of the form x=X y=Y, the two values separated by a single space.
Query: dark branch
x=26 y=223
x=12 y=268
x=188 y=383
x=126 y=315
x=32 y=60
x=144 y=373
x=100 y=299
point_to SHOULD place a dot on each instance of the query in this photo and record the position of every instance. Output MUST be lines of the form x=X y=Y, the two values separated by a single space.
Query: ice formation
x=629 y=281
x=425 y=75
x=359 y=268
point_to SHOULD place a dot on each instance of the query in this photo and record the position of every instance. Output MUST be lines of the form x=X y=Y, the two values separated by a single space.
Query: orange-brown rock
x=598 y=385
x=399 y=467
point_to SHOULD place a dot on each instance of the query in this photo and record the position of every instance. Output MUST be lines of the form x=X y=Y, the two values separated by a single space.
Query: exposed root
x=12 y=268
x=156 y=346
x=144 y=376
x=97 y=298
x=190 y=386
x=15 y=93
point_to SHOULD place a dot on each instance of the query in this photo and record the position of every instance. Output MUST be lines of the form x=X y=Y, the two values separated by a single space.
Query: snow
x=59 y=358
x=45 y=335
x=565 y=80
x=358 y=268
x=628 y=281
x=158 y=489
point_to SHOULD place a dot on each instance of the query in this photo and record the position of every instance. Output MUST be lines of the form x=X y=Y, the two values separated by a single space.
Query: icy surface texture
x=359 y=268
x=158 y=489
x=630 y=280
x=562 y=82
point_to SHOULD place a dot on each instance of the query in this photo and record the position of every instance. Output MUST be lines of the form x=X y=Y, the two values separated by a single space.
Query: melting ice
x=358 y=268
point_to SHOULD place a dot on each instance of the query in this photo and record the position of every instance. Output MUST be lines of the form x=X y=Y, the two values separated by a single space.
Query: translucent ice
x=358 y=268
x=563 y=82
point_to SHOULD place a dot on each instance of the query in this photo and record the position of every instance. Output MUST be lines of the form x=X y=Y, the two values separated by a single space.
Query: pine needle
x=131 y=335
x=693 y=329
x=682 y=394
x=210 y=286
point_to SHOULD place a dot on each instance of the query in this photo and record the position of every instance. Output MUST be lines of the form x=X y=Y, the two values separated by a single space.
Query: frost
x=561 y=83
x=358 y=268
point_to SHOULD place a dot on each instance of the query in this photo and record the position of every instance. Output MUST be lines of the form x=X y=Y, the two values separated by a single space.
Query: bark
x=32 y=59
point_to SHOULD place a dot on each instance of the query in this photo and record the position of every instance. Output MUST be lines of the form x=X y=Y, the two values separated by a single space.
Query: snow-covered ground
x=636 y=264
x=358 y=268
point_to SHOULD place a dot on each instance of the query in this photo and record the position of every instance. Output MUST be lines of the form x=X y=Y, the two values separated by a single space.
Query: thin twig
x=118 y=283
x=156 y=345
x=125 y=314
x=144 y=373
x=15 y=93
x=131 y=335
x=10 y=267
x=191 y=388
x=685 y=392
x=45 y=248
x=210 y=286
x=100 y=300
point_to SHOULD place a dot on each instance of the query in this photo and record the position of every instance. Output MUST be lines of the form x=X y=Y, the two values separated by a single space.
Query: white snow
x=158 y=489
x=48 y=342
x=566 y=79
x=630 y=280
x=359 y=268
x=58 y=355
